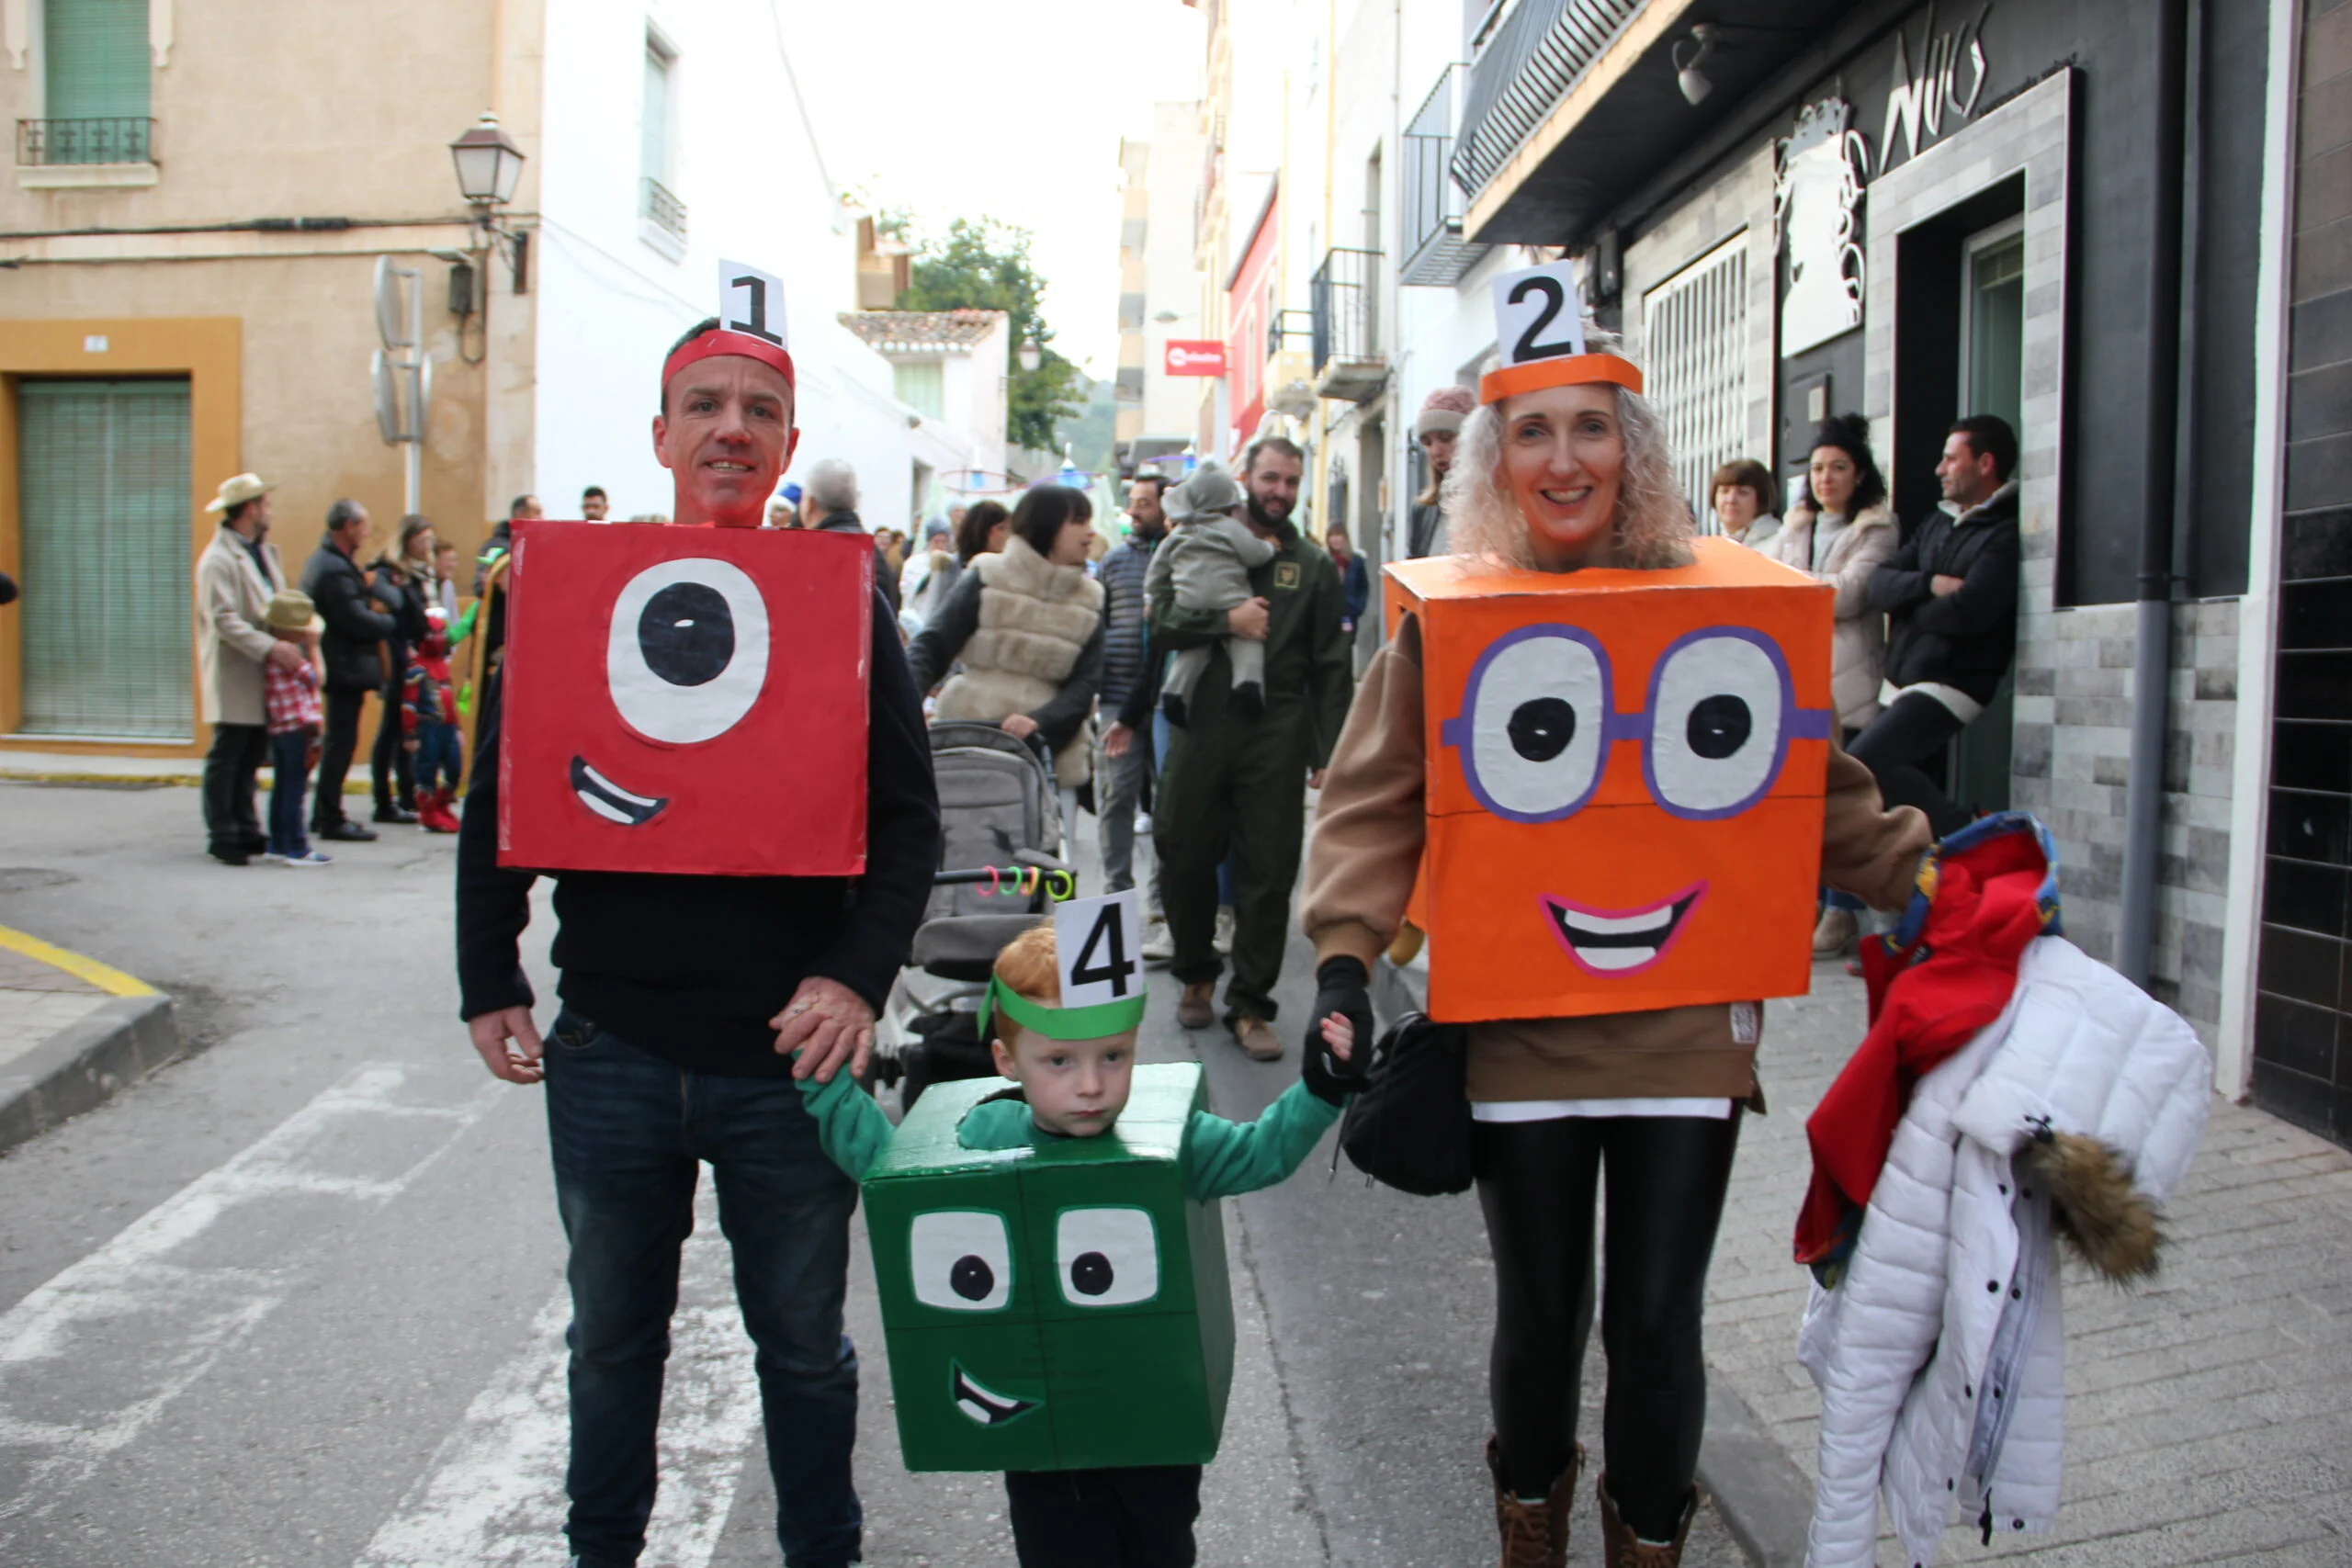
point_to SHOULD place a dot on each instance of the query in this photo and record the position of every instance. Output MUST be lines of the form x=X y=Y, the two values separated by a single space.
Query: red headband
x=713 y=343
x=1566 y=371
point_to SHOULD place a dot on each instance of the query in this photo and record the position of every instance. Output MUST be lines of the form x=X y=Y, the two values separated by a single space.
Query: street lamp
x=488 y=166
x=1032 y=353
x=488 y=163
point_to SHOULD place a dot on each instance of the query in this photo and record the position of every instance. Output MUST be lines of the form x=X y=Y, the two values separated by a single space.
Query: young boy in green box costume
x=1051 y=1262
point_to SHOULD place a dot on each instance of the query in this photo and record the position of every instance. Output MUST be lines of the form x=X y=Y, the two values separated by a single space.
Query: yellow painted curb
x=104 y=977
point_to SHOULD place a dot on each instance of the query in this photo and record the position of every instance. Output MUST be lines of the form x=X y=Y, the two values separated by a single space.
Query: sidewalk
x=73 y=1031
x=2208 y=1416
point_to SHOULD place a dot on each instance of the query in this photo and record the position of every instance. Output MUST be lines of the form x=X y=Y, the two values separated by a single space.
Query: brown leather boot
x=1535 y=1535
x=1196 y=1008
x=1620 y=1548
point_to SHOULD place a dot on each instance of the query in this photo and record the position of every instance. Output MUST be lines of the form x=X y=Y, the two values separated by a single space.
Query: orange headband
x=1567 y=370
x=713 y=343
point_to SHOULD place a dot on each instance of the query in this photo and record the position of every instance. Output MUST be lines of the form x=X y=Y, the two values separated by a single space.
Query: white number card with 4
x=1098 y=944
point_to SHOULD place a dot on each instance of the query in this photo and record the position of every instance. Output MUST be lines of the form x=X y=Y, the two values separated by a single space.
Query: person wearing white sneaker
x=306 y=861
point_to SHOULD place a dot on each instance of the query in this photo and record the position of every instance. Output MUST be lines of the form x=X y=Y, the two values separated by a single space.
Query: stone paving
x=2209 y=1416
x=36 y=1000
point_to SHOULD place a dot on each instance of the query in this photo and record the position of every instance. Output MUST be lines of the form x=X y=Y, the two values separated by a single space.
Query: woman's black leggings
x=1667 y=1179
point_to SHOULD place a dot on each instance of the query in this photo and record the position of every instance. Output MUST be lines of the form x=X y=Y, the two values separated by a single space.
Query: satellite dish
x=392 y=316
x=387 y=398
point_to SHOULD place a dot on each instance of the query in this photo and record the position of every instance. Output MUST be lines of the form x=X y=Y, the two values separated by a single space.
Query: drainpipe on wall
x=2143 y=790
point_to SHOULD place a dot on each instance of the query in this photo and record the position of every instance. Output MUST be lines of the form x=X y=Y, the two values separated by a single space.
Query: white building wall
x=610 y=303
x=1171 y=278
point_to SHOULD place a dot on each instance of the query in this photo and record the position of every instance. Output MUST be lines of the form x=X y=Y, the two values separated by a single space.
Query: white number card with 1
x=751 y=301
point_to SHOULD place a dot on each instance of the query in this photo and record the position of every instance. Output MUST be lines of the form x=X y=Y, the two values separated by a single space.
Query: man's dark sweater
x=691 y=968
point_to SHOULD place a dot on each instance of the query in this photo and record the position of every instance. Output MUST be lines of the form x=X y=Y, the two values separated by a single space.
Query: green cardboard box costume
x=1053 y=1302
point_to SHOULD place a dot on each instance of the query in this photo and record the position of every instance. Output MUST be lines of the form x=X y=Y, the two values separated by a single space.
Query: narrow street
x=298 y=1299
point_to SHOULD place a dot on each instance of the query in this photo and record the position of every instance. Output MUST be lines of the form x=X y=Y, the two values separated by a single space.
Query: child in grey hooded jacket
x=1208 y=556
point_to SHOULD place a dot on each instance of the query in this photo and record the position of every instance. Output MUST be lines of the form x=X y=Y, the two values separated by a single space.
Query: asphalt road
x=297 y=1299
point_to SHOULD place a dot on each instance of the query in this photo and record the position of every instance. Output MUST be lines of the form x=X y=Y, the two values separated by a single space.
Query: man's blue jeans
x=628 y=1133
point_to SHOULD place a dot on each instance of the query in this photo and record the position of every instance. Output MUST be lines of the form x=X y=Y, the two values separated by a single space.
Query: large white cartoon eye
x=1538 y=718
x=688 y=650
x=1716 y=712
x=1106 y=1256
x=960 y=1259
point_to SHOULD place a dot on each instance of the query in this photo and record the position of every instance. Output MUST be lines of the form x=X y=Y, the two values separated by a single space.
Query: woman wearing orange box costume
x=1608 y=887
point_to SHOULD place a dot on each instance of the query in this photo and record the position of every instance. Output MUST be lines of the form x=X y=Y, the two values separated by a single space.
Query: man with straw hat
x=234 y=579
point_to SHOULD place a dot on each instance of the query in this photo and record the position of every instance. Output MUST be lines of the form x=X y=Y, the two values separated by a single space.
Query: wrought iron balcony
x=661 y=209
x=1535 y=54
x=1435 y=253
x=1349 y=363
x=47 y=143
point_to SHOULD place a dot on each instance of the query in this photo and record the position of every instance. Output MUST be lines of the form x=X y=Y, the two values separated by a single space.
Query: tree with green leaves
x=984 y=266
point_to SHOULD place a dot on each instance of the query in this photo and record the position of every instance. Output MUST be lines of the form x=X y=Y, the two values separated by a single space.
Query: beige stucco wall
x=279 y=110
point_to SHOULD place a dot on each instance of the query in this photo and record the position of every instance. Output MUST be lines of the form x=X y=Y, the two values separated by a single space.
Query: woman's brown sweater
x=1366 y=851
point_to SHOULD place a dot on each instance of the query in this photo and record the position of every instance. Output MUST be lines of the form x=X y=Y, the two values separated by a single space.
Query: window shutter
x=96 y=59
x=108 y=584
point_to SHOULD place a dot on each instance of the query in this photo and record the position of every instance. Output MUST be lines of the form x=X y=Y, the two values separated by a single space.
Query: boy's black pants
x=1139 y=1517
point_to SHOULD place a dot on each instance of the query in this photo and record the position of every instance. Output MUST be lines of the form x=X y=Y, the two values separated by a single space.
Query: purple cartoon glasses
x=1538 y=718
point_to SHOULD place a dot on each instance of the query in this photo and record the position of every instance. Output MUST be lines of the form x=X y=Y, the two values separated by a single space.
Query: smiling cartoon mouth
x=985 y=1406
x=608 y=800
x=1609 y=943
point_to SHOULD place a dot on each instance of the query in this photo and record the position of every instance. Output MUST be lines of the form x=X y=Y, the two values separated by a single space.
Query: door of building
x=102 y=478
x=1992 y=370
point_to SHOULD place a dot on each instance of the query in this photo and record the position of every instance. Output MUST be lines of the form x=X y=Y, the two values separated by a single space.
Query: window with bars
x=1694 y=345
x=96 y=85
x=103 y=495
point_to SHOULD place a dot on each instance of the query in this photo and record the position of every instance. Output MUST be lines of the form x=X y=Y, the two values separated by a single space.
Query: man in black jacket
x=684 y=1000
x=1950 y=598
x=358 y=622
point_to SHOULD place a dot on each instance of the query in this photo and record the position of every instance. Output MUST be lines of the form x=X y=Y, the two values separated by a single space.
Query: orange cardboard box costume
x=1625 y=781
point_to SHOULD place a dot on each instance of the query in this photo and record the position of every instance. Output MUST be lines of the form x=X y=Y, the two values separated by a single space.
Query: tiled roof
x=919 y=332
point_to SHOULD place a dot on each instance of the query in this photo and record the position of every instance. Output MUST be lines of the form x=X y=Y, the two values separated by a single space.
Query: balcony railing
x=1534 y=57
x=44 y=143
x=1346 y=305
x=1435 y=253
x=661 y=209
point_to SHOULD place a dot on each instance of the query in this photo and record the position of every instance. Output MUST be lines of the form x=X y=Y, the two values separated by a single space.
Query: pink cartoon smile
x=1609 y=943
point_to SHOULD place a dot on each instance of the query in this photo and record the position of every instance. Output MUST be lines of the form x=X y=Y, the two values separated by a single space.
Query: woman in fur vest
x=1561 y=470
x=1027 y=624
x=1840 y=537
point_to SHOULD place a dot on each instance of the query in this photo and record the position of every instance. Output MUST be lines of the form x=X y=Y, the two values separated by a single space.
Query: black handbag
x=1409 y=1126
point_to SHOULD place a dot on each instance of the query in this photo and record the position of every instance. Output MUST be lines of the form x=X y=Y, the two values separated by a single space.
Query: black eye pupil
x=687 y=634
x=1090 y=1273
x=971 y=1278
x=1719 y=726
x=1542 y=728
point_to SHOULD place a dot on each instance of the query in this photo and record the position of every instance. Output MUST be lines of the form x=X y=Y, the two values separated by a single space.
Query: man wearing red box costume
x=1602 y=749
x=707 y=736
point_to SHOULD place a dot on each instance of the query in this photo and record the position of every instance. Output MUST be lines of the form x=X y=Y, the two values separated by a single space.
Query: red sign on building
x=1195 y=356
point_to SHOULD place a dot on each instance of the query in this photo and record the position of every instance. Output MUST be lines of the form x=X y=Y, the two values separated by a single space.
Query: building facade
x=188 y=289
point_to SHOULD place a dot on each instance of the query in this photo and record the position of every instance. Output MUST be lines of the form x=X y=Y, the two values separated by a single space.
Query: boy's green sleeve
x=1227 y=1157
x=853 y=1128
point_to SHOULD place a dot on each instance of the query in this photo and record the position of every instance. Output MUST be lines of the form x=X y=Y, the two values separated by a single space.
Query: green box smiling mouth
x=983 y=1405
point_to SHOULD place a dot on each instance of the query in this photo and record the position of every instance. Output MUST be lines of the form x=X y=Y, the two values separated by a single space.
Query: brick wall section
x=2073 y=756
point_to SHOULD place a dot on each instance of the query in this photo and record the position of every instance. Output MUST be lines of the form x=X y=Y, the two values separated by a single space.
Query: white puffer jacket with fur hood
x=2084 y=1084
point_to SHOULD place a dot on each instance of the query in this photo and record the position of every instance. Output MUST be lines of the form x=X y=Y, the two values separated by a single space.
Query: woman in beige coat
x=1840 y=537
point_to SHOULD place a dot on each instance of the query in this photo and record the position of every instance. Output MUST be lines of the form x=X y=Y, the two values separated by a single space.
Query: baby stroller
x=999 y=824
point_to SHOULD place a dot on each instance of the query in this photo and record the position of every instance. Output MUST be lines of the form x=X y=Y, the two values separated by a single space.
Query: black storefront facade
x=2072 y=213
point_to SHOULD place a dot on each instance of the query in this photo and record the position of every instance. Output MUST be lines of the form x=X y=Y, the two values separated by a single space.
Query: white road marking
x=493 y=1494
x=160 y=1315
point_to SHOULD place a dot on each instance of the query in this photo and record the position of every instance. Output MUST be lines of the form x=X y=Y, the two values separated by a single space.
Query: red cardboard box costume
x=664 y=686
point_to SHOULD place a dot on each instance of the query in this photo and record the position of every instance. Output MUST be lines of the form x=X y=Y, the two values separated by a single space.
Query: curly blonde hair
x=1653 y=526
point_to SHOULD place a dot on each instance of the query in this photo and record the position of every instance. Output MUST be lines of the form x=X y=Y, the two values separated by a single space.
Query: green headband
x=1096 y=1023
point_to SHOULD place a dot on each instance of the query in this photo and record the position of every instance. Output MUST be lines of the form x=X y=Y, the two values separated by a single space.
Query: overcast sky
x=1012 y=112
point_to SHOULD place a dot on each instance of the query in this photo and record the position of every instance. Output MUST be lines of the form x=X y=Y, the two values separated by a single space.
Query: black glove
x=1341 y=987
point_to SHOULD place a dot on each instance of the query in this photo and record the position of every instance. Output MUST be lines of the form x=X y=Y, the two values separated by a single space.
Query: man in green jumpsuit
x=1230 y=782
